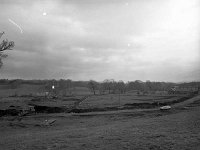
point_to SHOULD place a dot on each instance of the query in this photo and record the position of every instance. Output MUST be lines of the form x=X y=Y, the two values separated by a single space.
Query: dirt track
x=191 y=100
x=174 y=106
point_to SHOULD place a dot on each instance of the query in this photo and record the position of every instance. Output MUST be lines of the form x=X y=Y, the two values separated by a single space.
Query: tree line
x=108 y=86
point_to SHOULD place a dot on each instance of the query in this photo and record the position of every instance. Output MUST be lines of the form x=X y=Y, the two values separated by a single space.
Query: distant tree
x=93 y=86
x=121 y=87
x=5 y=45
x=52 y=87
x=101 y=88
x=136 y=85
x=148 y=86
x=109 y=85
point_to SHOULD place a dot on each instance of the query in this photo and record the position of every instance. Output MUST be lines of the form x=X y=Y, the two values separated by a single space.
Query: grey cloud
x=99 y=39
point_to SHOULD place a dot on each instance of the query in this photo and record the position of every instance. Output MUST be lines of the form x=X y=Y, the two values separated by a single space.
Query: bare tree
x=121 y=87
x=5 y=45
x=101 y=88
x=93 y=86
x=109 y=85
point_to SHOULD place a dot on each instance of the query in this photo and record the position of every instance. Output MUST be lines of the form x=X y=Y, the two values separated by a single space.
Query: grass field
x=112 y=100
x=24 y=89
x=140 y=129
x=94 y=101
x=146 y=130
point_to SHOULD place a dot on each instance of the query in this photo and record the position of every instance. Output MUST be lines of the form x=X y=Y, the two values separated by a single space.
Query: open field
x=136 y=124
x=175 y=129
x=91 y=103
x=99 y=75
x=112 y=100
x=34 y=90
x=24 y=89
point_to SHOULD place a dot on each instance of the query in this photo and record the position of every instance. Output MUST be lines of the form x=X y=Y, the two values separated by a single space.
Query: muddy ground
x=176 y=129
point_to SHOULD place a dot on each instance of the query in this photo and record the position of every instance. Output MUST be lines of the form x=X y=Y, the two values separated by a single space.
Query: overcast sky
x=157 y=40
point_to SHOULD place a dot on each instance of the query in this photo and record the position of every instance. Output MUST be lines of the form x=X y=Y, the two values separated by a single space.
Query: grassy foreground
x=144 y=130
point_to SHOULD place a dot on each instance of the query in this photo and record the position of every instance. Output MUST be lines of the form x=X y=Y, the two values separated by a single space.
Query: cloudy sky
x=157 y=40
